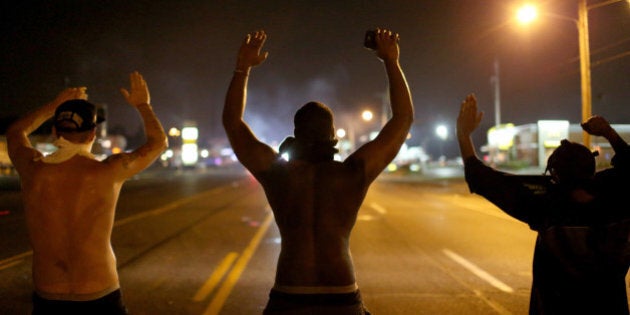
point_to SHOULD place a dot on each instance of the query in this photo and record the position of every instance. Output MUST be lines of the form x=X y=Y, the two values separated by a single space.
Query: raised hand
x=139 y=91
x=469 y=116
x=249 y=54
x=387 y=44
x=597 y=126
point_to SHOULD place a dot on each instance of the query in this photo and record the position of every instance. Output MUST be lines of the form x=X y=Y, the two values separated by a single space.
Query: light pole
x=585 y=56
x=585 y=67
x=497 y=93
x=441 y=132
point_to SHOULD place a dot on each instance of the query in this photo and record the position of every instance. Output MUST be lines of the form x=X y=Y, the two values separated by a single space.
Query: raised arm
x=467 y=121
x=20 y=149
x=378 y=153
x=140 y=158
x=598 y=126
x=252 y=153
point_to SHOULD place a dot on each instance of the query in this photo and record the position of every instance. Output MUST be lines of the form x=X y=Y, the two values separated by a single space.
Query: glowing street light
x=341 y=133
x=528 y=13
x=442 y=132
x=349 y=133
x=367 y=115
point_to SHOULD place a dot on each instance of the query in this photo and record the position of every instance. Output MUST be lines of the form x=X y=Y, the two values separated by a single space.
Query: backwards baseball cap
x=77 y=115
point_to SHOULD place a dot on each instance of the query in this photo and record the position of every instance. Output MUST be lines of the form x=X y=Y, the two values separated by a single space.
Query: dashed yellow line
x=216 y=276
x=14 y=260
x=169 y=207
x=224 y=291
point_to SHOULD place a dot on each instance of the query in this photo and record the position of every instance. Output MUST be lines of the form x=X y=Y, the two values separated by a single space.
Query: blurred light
x=341 y=133
x=285 y=156
x=174 y=132
x=204 y=153
x=190 y=133
x=392 y=167
x=526 y=13
x=373 y=135
x=441 y=131
x=551 y=132
x=414 y=167
x=168 y=153
x=502 y=136
x=106 y=143
x=190 y=154
x=116 y=150
x=367 y=115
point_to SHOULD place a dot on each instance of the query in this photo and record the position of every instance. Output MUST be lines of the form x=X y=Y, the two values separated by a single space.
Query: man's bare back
x=314 y=198
x=70 y=218
x=70 y=197
x=315 y=207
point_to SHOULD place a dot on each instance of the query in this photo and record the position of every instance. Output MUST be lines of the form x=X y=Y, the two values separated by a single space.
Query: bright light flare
x=174 y=132
x=204 y=153
x=526 y=14
x=367 y=115
x=190 y=153
x=442 y=132
x=190 y=133
x=341 y=133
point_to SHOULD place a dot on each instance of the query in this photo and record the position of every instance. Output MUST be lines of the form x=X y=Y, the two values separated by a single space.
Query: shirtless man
x=315 y=199
x=70 y=201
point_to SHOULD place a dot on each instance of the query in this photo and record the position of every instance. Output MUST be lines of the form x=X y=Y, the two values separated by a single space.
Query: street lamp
x=441 y=132
x=367 y=115
x=350 y=130
x=528 y=13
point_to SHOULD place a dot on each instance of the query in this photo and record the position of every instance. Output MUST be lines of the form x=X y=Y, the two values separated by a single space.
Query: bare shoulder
x=119 y=160
x=126 y=164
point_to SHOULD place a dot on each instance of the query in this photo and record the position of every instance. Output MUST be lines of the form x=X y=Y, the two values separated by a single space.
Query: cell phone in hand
x=370 y=40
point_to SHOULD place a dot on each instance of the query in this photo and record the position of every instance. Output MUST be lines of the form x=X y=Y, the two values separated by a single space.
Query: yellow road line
x=11 y=264
x=216 y=276
x=168 y=207
x=14 y=260
x=219 y=299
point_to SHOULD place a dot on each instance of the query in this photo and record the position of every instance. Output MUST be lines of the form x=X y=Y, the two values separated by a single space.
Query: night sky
x=187 y=50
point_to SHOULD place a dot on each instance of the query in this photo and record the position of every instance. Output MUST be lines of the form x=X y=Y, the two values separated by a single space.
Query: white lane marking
x=378 y=208
x=478 y=271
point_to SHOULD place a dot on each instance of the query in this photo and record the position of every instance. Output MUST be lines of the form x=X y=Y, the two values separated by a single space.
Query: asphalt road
x=197 y=242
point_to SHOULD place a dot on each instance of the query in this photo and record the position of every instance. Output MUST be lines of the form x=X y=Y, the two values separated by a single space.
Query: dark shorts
x=110 y=304
x=329 y=304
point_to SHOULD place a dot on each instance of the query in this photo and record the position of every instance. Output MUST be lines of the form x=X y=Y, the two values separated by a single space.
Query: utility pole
x=497 y=93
